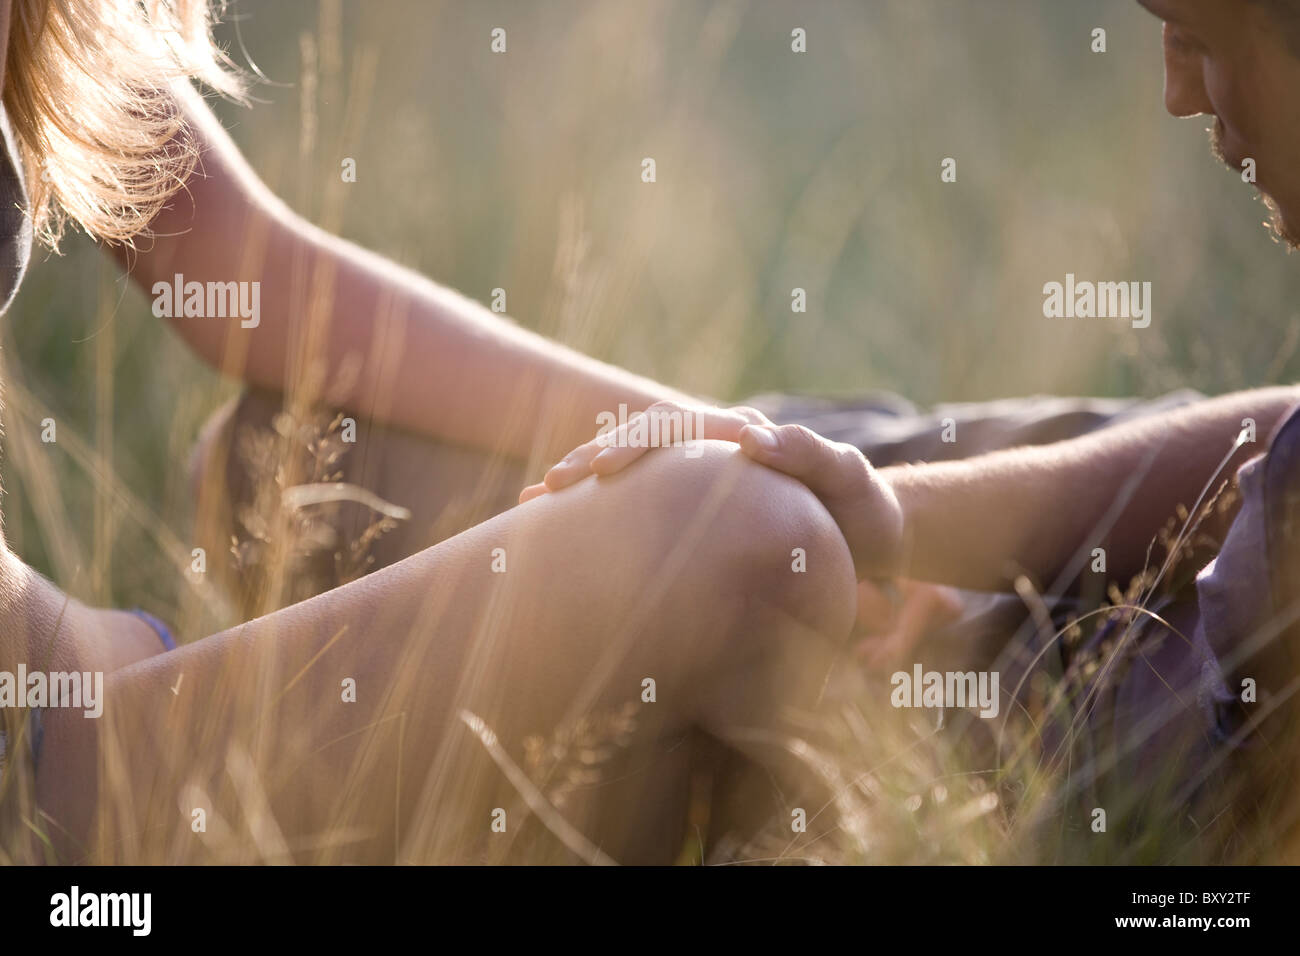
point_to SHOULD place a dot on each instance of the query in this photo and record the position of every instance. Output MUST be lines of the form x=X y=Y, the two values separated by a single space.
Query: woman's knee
x=771 y=551
x=761 y=536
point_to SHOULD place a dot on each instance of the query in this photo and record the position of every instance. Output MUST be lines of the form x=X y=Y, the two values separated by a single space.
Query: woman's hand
x=861 y=502
x=893 y=615
x=663 y=423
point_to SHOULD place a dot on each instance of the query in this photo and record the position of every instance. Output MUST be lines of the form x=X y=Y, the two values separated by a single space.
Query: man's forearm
x=392 y=343
x=980 y=522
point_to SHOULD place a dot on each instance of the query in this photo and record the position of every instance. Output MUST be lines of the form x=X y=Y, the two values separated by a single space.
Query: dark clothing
x=1159 y=700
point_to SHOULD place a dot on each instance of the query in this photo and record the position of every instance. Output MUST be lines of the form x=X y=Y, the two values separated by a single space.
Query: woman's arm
x=432 y=360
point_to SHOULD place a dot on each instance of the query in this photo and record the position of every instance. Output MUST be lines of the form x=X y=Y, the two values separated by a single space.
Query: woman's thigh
x=397 y=717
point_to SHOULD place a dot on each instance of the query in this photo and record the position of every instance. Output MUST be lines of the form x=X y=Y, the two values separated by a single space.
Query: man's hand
x=892 y=614
x=663 y=423
x=859 y=500
x=894 y=617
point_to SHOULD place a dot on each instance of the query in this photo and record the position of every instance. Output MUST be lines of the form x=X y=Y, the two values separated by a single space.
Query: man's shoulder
x=1280 y=500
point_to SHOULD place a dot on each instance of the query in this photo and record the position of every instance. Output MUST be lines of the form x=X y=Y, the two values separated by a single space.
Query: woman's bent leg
x=253 y=447
x=415 y=713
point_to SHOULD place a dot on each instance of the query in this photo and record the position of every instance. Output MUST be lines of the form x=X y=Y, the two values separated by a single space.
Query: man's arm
x=980 y=522
x=430 y=359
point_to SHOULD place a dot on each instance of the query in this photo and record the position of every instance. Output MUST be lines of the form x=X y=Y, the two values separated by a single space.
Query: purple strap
x=158 y=626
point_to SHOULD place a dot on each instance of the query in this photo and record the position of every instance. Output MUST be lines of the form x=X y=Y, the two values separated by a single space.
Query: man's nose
x=1184 y=82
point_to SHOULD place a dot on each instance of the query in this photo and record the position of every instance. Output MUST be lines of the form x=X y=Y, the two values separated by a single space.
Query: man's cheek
x=1237 y=113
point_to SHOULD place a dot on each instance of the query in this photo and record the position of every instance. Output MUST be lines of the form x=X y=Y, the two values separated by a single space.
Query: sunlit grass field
x=775 y=170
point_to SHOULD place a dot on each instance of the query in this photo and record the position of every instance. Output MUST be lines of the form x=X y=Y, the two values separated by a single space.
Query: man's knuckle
x=804 y=438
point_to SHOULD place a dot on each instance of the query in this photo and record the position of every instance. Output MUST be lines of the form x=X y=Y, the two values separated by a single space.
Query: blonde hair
x=89 y=88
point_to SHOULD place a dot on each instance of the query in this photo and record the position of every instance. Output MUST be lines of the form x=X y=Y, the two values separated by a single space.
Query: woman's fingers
x=575 y=466
x=616 y=457
x=662 y=424
x=533 y=491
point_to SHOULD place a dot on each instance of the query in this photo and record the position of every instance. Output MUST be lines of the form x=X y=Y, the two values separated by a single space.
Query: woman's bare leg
x=679 y=571
x=241 y=457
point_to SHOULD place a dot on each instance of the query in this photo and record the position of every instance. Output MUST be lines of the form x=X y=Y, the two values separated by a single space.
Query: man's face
x=1231 y=59
x=5 y=10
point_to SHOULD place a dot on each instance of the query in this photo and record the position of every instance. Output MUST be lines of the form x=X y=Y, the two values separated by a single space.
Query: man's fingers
x=925 y=609
x=877 y=609
x=824 y=466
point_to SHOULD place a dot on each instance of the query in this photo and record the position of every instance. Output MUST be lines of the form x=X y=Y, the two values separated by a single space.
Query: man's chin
x=1284 y=226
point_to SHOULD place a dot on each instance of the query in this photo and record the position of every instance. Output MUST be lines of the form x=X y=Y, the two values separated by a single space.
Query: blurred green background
x=775 y=170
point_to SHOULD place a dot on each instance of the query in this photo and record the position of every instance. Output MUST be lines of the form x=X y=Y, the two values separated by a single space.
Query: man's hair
x=89 y=93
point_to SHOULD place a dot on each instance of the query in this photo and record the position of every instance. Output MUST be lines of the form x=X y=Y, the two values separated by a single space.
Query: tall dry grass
x=775 y=171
